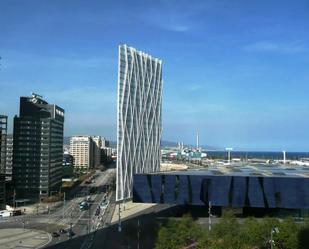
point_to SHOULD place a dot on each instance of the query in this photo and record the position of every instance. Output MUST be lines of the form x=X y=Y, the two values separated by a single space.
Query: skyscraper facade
x=37 y=148
x=3 y=133
x=138 y=117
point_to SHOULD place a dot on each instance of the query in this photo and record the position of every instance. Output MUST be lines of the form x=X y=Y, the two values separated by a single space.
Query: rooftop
x=264 y=170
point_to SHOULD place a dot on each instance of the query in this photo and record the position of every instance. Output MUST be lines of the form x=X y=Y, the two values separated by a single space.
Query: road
x=69 y=215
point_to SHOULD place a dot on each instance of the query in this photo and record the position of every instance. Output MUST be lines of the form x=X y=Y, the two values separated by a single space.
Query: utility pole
x=24 y=222
x=63 y=204
x=89 y=219
x=209 y=215
x=119 y=218
x=138 y=234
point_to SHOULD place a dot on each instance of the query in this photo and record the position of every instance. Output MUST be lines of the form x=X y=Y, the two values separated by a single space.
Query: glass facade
x=223 y=191
x=37 y=148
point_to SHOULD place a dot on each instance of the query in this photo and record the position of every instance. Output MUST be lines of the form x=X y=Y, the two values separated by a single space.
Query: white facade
x=139 y=117
x=81 y=148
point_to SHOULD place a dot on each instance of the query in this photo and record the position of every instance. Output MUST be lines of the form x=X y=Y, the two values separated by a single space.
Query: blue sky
x=236 y=71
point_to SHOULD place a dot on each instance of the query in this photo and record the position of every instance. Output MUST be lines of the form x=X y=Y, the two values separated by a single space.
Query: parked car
x=70 y=233
x=97 y=212
x=55 y=234
x=62 y=231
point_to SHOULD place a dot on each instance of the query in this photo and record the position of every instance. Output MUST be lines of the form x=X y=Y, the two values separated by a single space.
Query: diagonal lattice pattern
x=139 y=125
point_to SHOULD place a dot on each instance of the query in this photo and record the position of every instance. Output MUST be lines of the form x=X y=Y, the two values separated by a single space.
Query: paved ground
x=23 y=238
x=128 y=209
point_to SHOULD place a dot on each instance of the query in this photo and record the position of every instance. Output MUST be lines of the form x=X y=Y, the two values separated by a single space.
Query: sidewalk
x=40 y=208
x=129 y=208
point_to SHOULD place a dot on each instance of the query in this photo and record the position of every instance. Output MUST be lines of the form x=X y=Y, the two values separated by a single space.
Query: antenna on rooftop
x=35 y=95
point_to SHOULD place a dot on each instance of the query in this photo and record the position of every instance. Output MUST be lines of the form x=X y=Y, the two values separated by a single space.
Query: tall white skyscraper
x=139 y=117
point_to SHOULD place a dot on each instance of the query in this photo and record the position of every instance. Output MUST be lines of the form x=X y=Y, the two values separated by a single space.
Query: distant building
x=105 y=143
x=81 y=148
x=3 y=133
x=97 y=149
x=37 y=148
x=106 y=155
x=9 y=157
x=138 y=117
x=67 y=165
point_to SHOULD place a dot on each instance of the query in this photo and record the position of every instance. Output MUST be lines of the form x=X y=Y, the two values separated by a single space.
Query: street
x=68 y=215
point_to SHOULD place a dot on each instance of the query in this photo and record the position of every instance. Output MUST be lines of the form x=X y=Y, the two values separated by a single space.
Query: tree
x=179 y=234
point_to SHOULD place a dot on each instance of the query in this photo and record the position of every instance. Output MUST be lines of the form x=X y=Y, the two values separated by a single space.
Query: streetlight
x=119 y=219
x=209 y=215
x=273 y=230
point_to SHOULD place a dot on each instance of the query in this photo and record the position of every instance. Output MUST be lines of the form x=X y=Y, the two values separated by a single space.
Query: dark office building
x=3 y=133
x=37 y=148
x=67 y=165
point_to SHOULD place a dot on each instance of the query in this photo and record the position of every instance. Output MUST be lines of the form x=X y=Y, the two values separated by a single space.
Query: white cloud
x=177 y=16
x=279 y=47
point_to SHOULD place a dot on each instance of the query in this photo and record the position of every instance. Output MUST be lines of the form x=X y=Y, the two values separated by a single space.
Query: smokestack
x=197 y=141
x=284 y=157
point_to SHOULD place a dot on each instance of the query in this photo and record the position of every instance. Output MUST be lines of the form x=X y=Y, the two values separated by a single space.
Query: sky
x=235 y=71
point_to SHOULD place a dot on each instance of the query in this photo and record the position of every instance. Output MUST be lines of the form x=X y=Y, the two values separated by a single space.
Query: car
x=97 y=212
x=62 y=231
x=55 y=234
x=71 y=233
x=83 y=206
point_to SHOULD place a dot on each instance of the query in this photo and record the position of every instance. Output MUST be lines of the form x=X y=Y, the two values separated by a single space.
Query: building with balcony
x=81 y=148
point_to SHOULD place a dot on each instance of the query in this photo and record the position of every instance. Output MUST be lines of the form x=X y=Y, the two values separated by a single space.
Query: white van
x=5 y=213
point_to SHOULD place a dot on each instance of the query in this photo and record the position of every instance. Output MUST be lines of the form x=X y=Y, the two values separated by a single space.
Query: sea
x=258 y=154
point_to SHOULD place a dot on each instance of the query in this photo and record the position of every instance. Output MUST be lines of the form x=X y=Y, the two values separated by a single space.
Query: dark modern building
x=246 y=187
x=67 y=165
x=37 y=148
x=3 y=133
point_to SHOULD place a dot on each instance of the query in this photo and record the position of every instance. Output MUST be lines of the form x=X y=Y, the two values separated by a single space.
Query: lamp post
x=119 y=219
x=209 y=215
x=63 y=210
